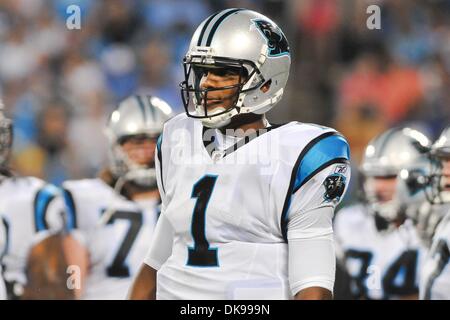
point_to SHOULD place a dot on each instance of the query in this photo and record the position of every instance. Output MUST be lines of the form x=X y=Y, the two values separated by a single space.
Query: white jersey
x=116 y=232
x=382 y=264
x=229 y=208
x=435 y=276
x=29 y=208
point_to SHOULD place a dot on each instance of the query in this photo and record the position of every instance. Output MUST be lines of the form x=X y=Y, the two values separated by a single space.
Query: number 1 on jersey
x=200 y=255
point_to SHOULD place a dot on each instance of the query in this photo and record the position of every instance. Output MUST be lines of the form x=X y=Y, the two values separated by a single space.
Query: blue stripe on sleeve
x=323 y=152
x=41 y=203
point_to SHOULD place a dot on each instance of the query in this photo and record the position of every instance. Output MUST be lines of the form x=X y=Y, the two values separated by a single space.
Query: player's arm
x=321 y=180
x=314 y=293
x=144 y=285
x=312 y=264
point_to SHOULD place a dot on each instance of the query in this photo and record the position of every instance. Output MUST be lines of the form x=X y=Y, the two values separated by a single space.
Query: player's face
x=383 y=188
x=218 y=78
x=140 y=149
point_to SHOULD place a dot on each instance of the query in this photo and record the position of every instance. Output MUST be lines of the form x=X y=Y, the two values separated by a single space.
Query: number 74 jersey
x=228 y=205
x=381 y=264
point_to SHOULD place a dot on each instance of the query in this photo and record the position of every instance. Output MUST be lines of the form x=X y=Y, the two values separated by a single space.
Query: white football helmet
x=396 y=151
x=138 y=115
x=414 y=194
x=246 y=42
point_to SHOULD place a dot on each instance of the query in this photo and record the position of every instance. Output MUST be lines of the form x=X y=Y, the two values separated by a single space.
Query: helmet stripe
x=218 y=22
x=385 y=141
x=205 y=26
x=142 y=106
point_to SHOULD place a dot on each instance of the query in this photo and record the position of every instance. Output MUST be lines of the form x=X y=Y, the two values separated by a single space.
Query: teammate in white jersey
x=30 y=210
x=379 y=245
x=115 y=214
x=246 y=206
x=435 y=275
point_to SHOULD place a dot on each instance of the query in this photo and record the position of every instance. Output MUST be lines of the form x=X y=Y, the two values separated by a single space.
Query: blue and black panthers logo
x=276 y=40
x=334 y=187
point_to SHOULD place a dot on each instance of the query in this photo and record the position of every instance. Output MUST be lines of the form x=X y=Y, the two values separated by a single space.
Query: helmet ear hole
x=266 y=86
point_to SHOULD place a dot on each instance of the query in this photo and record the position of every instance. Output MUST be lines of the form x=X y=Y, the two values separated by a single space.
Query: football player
x=246 y=205
x=30 y=210
x=435 y=275
x=379 y=245
x=114 y=215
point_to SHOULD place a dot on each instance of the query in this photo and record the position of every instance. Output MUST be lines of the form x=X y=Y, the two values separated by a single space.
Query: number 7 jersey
x=116 y=232
x=229 y=207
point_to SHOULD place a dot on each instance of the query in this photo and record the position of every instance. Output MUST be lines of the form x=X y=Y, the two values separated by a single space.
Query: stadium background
x=59 y=84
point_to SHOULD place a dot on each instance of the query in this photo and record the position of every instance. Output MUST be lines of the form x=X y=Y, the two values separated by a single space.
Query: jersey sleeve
x=49 y=209
x=325 y=190
x=312 y=253
x=161 y=244
x=318 y=184
x=320 y=178
x=312 y=261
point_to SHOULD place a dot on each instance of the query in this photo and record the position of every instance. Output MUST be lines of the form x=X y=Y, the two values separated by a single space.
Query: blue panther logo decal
x=276 y=40
x=334 y=187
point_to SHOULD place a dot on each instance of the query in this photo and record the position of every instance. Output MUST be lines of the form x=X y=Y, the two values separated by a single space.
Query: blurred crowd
x=59 y=85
